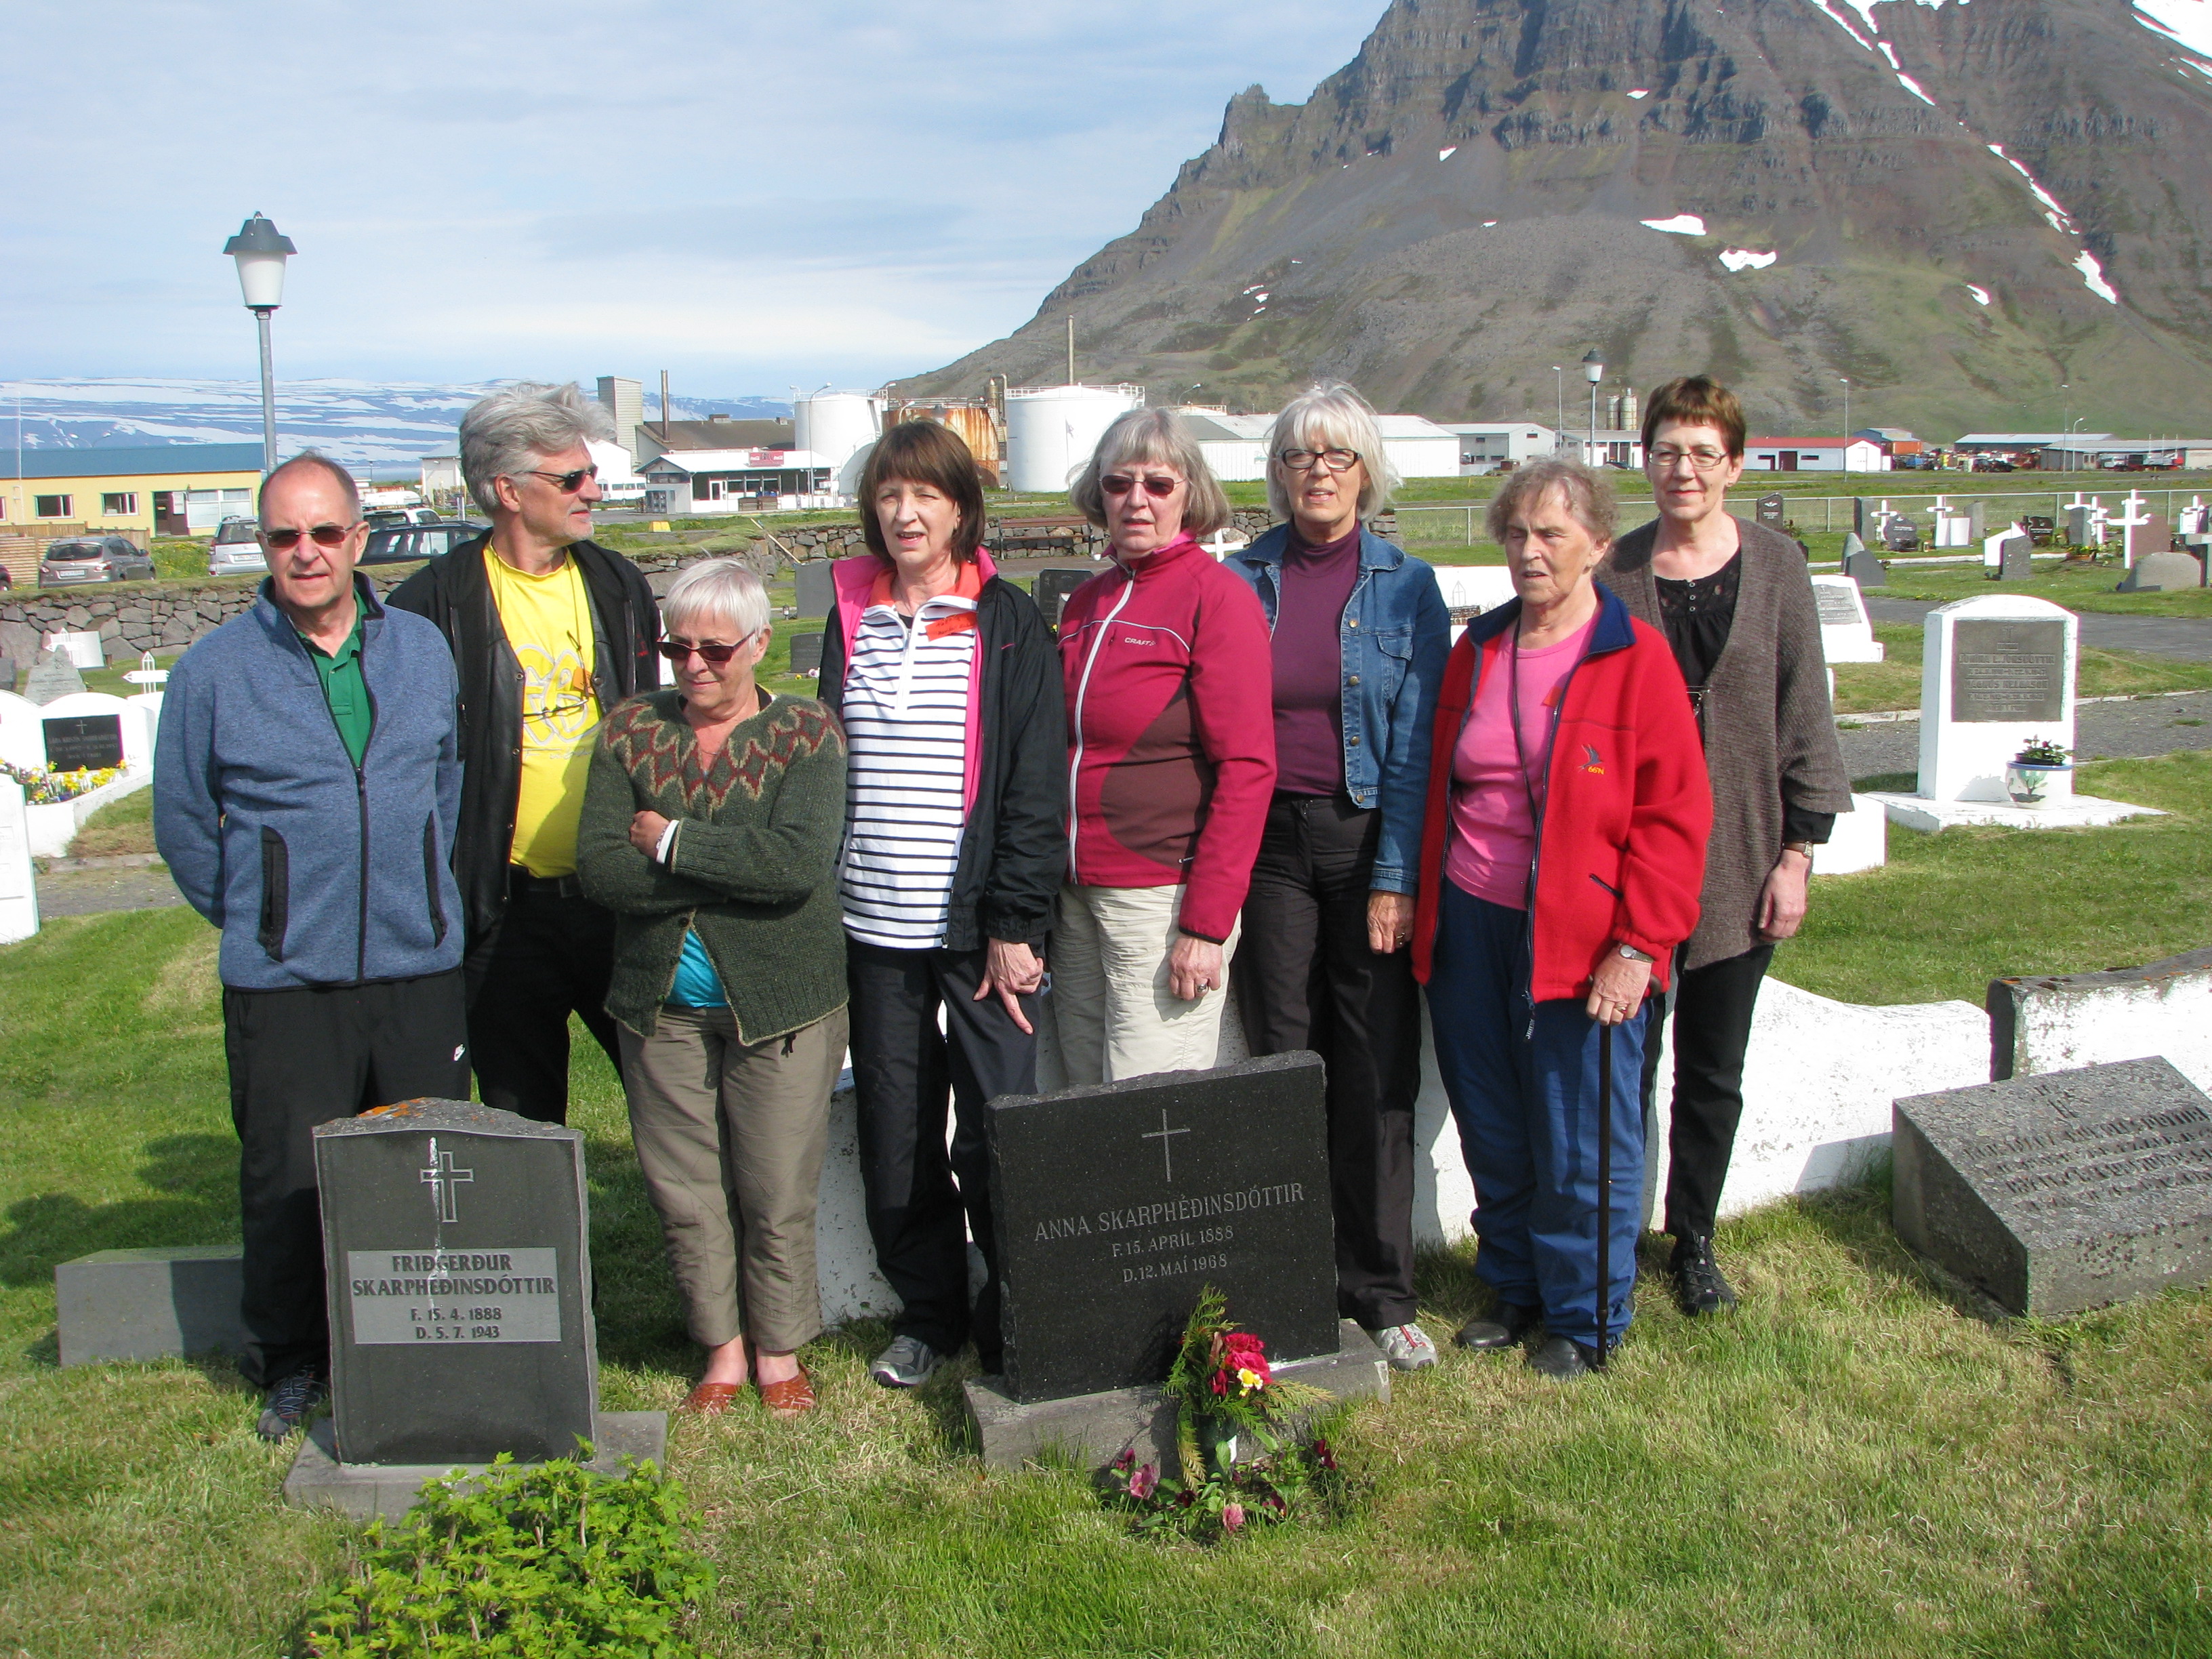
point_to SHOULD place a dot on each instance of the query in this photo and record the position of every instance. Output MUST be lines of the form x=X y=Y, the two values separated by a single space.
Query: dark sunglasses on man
x=324 y=535
x=1120 y=483
x=567 y=483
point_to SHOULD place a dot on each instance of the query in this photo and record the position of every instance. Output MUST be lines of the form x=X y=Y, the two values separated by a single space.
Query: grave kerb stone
x=1846 y=635
x=19 y=886
x=2017 y=678
x=148 y=1304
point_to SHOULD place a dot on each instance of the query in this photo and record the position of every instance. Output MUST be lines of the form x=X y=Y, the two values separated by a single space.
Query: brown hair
x=1696 y=400
x=924 y=452
x=1588 y=496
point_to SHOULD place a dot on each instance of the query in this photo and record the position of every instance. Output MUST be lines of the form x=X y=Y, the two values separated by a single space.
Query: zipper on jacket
x=360 y=792
x=1082 y=690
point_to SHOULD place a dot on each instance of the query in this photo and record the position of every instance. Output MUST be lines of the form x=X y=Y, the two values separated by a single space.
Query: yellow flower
x=1249 y=1378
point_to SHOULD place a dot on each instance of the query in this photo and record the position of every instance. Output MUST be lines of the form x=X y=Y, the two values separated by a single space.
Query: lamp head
x=1593 y=367
x=260 y=251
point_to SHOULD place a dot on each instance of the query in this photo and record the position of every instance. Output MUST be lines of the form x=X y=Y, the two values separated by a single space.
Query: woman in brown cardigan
x=1734 y=601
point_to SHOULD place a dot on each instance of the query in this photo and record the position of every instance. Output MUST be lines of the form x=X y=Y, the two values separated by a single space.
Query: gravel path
x=2139 y=727
x=2186 y=637
x=86 y=892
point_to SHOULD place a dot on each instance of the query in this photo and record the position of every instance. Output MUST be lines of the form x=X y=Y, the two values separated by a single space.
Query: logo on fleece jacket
x=1593 y=763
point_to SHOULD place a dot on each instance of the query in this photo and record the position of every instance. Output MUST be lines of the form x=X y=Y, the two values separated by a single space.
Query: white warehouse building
x=1235 y=446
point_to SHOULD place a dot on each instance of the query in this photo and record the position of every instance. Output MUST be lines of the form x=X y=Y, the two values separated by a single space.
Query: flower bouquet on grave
x=43 y=786
x=1225 y=1392
x=2039 y=773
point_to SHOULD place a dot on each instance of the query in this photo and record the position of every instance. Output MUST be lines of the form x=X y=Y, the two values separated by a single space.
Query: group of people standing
x=1271 y=776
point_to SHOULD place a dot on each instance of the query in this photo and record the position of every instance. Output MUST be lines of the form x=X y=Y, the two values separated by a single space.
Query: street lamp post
x=1560 y=418
x=261 y=252
x=1594 y=371
x=1845 y=378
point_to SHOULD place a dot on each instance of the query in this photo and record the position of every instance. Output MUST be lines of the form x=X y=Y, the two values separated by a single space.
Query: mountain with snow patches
x=387 y=428
x=1983 y=213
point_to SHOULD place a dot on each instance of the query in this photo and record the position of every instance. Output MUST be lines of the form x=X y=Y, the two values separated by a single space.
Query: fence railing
x=1834 y=511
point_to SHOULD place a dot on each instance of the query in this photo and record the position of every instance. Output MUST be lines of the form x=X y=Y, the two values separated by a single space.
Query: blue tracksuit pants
x=1523 y=1083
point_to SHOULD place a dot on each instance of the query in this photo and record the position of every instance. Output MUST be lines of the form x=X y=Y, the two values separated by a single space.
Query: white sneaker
x=1407 y=1347
x=909 y=1361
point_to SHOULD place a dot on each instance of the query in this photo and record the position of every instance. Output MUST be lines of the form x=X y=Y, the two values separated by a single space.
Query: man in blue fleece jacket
x=305 y=784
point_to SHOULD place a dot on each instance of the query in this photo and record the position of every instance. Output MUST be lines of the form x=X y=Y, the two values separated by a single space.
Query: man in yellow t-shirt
x=548 y=630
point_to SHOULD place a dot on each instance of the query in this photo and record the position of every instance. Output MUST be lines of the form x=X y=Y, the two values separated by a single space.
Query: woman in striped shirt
x=947 y=683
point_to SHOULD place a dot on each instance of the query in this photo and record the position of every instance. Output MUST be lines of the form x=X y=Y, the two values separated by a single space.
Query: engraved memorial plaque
x=1051 y=590
x=1117 y=1204
x=806 y=654
x=84 y=742
x=2061 y=1191
x=2009 y=671
x=1838 y=606
x=1772 y=510
x=455 y=1248
x=816 y=583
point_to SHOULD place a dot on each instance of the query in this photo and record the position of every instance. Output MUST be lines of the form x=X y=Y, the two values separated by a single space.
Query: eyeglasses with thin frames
x=567 y=483
x=324 y=535
x=1304 y=460
x=1155 y=485
x=1665 y=459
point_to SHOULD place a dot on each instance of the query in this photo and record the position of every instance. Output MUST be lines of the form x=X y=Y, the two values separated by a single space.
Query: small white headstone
x=18 y=888
x=137 y=735
x=22 y=739
x=81 y=649
x=1846 y=636
x=2195 y=517
x=1994 y=672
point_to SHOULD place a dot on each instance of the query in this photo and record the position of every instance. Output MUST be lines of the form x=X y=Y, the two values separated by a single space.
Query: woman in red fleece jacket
x=1561 y=857
x=1171 y=763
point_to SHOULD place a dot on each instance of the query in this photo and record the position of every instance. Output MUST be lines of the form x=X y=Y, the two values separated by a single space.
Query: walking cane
x=1604 y=1187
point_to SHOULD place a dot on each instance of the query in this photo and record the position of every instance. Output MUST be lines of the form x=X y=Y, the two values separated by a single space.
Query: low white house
x=1235 y=446
x=691 y=481
x=1484 y=446
x=1814 y=455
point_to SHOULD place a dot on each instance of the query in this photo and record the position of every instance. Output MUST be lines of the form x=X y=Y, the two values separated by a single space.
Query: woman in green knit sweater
x=711 y=827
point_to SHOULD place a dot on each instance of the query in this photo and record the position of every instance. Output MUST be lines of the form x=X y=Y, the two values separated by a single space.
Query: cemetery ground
x=1860 y=1460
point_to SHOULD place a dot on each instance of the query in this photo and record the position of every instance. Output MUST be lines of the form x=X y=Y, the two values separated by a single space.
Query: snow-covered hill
x=358 y=421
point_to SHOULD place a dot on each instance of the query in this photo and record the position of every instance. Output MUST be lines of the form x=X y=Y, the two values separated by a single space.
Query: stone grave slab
x=2148 y=534
x=1859 y=840
x=816 y=584
x=52 y=677
x=110 y=715
x=2079 y=520
x=19 y=884
x=2063 y=1191
x=1977 y=528
x=456 y=1242
x=148 y=1304
x=2015 y=557
x=1860 y=566
x=1772 y=510
x=1862 y=515
x=2162 y=573
x=318 y=1480
x=807 y=653
x=7 y=673
x=1052 y=588
x=1846 y=633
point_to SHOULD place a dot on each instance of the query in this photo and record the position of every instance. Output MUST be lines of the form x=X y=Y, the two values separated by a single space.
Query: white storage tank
x=838 y=428
x=1051 y=431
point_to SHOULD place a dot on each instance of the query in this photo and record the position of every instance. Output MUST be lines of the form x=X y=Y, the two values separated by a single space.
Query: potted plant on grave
x=2041 y=772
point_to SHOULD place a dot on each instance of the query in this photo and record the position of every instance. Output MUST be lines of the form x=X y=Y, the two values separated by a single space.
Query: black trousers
x=903 y=1070
x=1306 y=978
x=553 y=955
x=300 y=1058
x=1713 y=1005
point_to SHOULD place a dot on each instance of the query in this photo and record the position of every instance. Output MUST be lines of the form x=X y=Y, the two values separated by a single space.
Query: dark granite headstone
x=1115 y=1204
x=816 y=583
x=2079 y=520
x=454 y=1238
x=806 y=654
x=52 y=677
x=2008 y=670
x=77 y=742
x=1978 y=527
x=2062 y=1191
x=1901 y=535
x=1863 y=512
x=2015 y=557
x=2161 y=572
x=1052 y=588
x=1771 y=511
x=2041 y=529
x=1860 y=566
x=2154 y=535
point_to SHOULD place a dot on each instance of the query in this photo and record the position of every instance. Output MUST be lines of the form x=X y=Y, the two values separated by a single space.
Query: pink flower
x=1233 y=1516
x=1321 y=1450
x=1126 y=1461
x=1144 y=1482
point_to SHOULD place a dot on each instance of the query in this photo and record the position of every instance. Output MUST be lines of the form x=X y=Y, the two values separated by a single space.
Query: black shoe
x=289 y=1404
x=1699 y=1287
x=1503 y=1327
x=1563 y=1359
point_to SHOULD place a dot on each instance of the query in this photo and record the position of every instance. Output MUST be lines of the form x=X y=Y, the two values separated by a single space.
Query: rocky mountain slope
x=1984 y=213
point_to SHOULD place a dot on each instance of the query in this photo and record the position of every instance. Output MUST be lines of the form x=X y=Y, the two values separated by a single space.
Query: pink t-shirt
x=1493 y=836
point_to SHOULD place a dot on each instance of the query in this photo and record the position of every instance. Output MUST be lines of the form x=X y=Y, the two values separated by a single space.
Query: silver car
x=237 y=550
x=94 y=559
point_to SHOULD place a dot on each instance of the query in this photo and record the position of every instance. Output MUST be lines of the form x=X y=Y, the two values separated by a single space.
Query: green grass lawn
x=2077 y=589
x=1894 y=683
x=1854 y=1464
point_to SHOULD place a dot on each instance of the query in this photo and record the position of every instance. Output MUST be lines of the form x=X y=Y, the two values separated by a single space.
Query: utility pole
x=664 y=409
x=1070 y=348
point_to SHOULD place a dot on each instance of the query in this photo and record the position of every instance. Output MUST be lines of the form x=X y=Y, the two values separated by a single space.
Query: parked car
x=94 y=559
x=405 y=544
x=391 y=518
x=1992 y=463
x=236 y=550
x=1914 y=464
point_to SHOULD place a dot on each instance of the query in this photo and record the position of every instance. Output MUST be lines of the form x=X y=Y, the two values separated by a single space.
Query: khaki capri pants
x=731 y=1137
x=1115 y=1015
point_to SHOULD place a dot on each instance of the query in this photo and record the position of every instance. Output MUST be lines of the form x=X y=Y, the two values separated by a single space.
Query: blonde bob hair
x=716 y=591
x=1586 y=495
x=1330 y=415
x=1157 y=437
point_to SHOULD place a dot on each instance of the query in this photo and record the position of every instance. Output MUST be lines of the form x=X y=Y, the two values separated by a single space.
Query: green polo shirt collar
x=345 y=690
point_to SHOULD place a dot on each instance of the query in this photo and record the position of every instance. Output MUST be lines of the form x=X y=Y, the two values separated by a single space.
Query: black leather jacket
x=455 y=592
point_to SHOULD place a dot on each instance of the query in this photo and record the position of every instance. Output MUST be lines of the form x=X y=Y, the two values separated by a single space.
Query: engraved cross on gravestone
x=445 y=1179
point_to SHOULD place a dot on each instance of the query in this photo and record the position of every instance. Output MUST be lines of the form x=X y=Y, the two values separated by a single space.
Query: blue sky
x=748 y=196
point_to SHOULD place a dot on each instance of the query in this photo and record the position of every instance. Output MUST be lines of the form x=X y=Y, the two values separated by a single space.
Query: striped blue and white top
x=906 y=733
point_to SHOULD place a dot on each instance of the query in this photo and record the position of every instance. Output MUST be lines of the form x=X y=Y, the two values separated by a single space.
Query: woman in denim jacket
x=1359 y=634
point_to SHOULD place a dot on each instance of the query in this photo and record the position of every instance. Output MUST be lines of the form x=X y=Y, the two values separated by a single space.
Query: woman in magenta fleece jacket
x=1171 y=763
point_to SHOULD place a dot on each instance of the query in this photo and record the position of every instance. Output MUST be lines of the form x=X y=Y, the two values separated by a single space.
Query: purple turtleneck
x=1316 y=586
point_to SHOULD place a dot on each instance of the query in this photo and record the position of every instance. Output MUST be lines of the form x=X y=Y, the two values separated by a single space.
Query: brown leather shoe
x=791 y=1397
x=713 y=1399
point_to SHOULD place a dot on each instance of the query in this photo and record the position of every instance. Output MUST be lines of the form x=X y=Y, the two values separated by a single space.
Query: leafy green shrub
x=541 y=1562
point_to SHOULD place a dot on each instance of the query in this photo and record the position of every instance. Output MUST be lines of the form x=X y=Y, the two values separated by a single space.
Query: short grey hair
x=1588 y=496
x=1330 y=415
x=312 y=460
x=716 y=591
x=1161 y=438
x=507 y=434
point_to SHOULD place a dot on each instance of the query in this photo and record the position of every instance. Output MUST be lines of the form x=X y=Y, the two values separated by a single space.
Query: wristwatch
x=1804 y=847
x=1629 y=953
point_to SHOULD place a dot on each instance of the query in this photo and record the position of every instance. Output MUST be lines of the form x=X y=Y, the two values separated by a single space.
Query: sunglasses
x=1120 y=483
x=325 y=535
x=567 y=483
x=676 y=651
